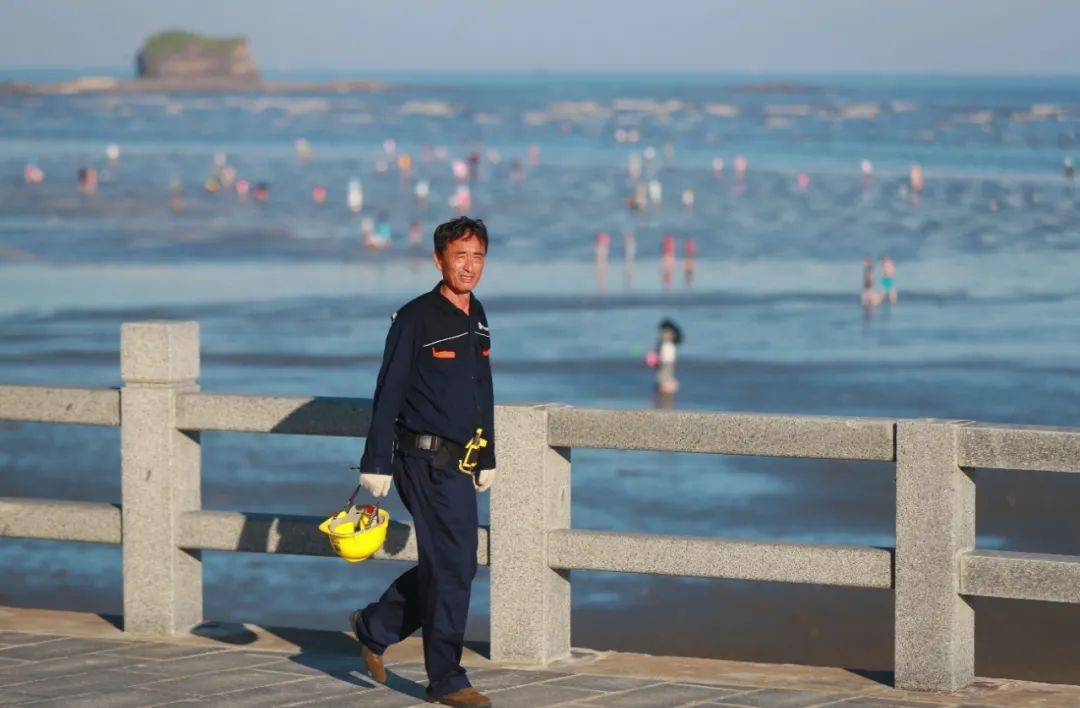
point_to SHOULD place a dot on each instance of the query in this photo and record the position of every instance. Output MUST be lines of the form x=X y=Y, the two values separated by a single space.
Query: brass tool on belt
x=468 y=463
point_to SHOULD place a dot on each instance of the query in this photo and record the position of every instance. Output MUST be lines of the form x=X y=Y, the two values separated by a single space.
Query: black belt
x=446 y=450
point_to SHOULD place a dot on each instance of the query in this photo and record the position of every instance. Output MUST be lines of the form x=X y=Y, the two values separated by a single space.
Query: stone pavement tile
x=1002 y=693
x=380 y=698
x=406 y=686
x=990 y=692
x=58 y=648
x=415 y=669
x=405 y=665
x=538 y=694
x=159 y=651
x=417 y=675
x=326 y=690
x=315 y=664
x=897 y=695
x=121 y=698
x=9 y=637
x=210 y=684
x=664 y=694
x=102 y=680
x=880 y=702
x=603 y=683
x=32 y=671
x=782 y=698
x=508 y=678
x=716 y=684
x=218 y=661
x=12 y=697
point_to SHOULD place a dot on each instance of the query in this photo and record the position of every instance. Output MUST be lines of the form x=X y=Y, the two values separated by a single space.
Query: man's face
x=462 y=263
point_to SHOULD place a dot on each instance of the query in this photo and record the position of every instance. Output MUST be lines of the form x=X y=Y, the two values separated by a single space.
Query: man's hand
x=377 y=484
x=483 y=480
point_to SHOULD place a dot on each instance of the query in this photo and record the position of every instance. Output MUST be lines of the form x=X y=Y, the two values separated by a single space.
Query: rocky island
x=180 y=55
x=180 y=61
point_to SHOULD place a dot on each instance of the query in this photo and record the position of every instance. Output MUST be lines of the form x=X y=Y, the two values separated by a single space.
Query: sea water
x=290 y=303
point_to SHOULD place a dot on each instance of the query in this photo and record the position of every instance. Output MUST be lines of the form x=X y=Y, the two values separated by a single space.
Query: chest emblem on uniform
x=443 y=353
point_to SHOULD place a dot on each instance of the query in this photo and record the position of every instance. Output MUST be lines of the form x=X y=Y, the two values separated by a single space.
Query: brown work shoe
x=374 y=664
x=373 y=661
x=467 y=696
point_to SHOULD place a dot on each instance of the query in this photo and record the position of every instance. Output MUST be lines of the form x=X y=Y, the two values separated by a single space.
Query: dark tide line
x=554 y=366
x=360 y=305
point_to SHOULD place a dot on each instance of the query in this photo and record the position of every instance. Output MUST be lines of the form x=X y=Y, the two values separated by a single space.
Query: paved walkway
x=91 y=663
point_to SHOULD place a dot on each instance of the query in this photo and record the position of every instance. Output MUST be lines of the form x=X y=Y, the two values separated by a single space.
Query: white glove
x=377 y=484
x=483 y=480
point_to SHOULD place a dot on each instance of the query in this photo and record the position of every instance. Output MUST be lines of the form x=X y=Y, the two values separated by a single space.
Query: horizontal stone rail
x=84 y=406
x=291 y=534
x=294 y=415
x=94 y=522
x=1020 y=576
x=1017 y=447
x=718 y=558
x=724 y=433
x=530 y=546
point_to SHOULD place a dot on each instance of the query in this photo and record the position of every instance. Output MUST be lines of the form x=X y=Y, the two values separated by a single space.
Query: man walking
x=432 y=396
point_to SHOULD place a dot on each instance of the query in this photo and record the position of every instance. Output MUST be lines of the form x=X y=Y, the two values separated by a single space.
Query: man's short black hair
x=458 y=228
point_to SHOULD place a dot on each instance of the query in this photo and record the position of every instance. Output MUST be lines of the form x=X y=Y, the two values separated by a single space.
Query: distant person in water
x=603 y=248
x=871 y=296
x=416 y=233
x=176 y=197
x=88 y=180
x=888 y=279
x=667 y=262
x=33 y=174
x=372 y=237
x=689 y=260
x=517 y=172
x=917 y=181
x=382 y=226
x=688 y=200
x=473 y=161
x=1070 y=171
x=663 y=360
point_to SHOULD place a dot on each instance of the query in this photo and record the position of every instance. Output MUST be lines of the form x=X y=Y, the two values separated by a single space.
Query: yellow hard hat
x=355 y=532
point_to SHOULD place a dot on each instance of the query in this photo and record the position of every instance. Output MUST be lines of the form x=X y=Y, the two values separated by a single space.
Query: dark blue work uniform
x=435 y=379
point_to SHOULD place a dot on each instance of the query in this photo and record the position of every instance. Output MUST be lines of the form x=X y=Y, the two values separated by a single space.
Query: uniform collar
x=448 y=306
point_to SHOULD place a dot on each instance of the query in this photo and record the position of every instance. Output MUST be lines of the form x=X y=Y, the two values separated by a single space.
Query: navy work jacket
x=435 y=378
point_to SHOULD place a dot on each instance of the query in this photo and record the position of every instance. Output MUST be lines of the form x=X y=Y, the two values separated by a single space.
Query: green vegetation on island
x=187 y=56
x=164 y=44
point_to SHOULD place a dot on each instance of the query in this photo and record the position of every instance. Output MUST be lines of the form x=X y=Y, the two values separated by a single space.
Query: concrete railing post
x=935 y=524
x=530 y=602
x=159 y=477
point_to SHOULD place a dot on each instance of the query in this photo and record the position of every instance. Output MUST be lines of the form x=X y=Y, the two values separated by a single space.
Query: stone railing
x=531 y=546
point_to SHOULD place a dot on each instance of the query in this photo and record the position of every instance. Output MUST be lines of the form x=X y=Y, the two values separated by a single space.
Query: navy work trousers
x=434 y=595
